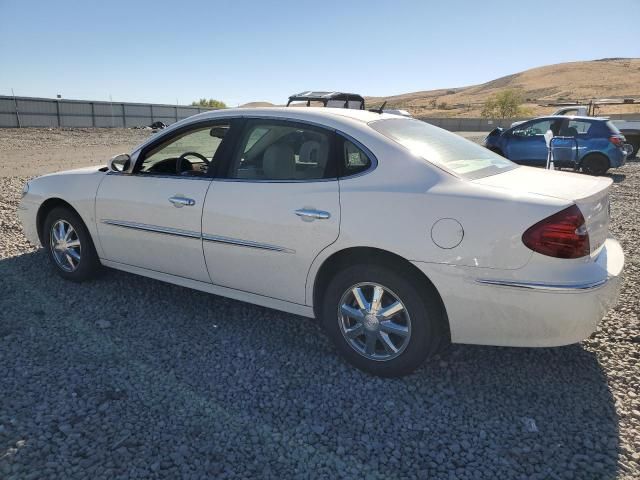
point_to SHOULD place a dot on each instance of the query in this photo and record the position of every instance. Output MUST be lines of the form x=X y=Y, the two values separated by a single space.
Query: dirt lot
x=126 y=377
x=36 y=151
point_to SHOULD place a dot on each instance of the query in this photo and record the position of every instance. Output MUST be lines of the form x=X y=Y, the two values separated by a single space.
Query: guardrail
x=48 y=112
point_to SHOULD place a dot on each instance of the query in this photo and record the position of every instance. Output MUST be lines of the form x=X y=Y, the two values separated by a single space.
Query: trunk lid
x=590 y=194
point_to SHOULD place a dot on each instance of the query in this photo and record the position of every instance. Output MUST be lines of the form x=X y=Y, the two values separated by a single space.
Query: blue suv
x=591 y=144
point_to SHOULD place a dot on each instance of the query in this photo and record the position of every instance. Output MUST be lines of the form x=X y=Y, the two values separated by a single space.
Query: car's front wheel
x=382 y=321
x=69 y=245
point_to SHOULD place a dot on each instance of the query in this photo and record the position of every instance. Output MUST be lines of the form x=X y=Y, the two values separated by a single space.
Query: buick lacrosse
x=397 y=235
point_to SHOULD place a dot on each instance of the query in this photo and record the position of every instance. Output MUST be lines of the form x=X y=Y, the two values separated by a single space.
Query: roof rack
x=332 y=99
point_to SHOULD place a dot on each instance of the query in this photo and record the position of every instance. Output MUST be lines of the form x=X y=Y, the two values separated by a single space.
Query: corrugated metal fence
x=47 y=112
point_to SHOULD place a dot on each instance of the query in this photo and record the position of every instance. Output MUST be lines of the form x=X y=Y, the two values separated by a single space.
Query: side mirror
x=119 y=163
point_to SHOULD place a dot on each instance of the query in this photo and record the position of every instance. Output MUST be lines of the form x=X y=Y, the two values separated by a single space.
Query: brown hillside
x=574 y=81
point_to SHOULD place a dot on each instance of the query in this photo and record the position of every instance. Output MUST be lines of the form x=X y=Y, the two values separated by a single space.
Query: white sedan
x=397 y=235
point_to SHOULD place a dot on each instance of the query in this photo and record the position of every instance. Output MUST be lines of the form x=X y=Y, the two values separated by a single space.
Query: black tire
x=427 y=325
x=595 y=164
x=88 y=265
x=636 y=146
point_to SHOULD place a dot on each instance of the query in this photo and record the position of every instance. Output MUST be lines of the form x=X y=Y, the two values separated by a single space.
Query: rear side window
x=577 y=127
x=354 y=159
x=278 y=150
x=444 y=149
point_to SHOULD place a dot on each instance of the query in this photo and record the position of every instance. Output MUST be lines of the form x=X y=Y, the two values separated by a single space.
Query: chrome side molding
x=152 y=228
x=245 y=243
x=191 y=234
x=547 y=287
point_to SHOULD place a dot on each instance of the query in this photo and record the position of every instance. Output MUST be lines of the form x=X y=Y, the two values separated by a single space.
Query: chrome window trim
x=546 y=287
x=160 y=175
x=153 y=228
x=168 y=131
x=262 y=180
x=196 y=235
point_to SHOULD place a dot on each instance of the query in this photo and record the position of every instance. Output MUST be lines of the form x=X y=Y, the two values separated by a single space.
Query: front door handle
x=180 y=202
x=310 y=214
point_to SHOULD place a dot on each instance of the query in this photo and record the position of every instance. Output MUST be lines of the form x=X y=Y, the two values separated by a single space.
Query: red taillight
x=617 y=140
x=562 y=235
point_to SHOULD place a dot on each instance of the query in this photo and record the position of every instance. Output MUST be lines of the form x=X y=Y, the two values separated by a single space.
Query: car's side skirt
x=304 y=310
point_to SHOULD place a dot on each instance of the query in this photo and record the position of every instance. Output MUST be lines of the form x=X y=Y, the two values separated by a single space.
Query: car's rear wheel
x=595 y=164
x=380 y=320
x=69 y=245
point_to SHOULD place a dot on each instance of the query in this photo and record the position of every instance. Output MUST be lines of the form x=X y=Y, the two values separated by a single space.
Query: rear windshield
x=444 y=149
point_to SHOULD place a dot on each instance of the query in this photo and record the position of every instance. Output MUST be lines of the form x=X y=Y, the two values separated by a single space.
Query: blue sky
x=240 y=51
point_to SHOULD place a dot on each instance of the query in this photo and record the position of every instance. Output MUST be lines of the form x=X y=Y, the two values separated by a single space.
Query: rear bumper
x=618 y=159
x=484 y=308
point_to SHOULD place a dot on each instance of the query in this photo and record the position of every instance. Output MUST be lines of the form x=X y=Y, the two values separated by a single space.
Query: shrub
x=504 y=104
x=213 y=103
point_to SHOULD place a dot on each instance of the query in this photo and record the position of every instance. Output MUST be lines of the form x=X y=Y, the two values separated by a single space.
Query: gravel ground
x=36 y=151
x=126 y=377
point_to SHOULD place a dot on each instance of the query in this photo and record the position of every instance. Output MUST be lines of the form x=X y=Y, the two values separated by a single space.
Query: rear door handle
x=180 y=202
x=310 y=214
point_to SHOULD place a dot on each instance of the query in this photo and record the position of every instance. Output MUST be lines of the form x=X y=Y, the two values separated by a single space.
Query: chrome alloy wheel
x=374 y=321
x=65 y=245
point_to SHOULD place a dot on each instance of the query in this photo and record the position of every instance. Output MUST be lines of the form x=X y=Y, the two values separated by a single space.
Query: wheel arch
x=595 y=153
x=44 y=209
x=351 y=255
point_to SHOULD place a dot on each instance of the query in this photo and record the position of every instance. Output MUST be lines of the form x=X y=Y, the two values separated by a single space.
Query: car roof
x=307 y=113
x=337 y=118
x=572 y=117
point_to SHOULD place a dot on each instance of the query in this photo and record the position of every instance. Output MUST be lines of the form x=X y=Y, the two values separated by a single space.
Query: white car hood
x=78 y=171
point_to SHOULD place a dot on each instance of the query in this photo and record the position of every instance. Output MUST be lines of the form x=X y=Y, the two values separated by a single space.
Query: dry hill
x=606 y=78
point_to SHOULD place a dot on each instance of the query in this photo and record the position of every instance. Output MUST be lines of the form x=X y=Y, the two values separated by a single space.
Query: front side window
x=271 y=150
x=187 y=153
x=444 y=149
x=531 y=129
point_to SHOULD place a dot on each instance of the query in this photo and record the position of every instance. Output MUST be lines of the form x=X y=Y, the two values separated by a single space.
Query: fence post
x=124 y=117
x=58 y=113
x=176 y=107
x=152 y=120
x=93 y=114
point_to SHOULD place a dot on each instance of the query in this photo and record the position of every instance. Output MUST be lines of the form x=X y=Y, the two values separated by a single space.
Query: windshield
x=444 y=149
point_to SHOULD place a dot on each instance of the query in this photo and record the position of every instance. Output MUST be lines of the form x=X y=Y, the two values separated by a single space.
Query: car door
x=151 y=217
x=526 y=143
x=274 y=210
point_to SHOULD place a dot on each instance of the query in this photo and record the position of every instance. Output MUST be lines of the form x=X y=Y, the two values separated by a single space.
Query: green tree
x=212 y=103
x=504 y=104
